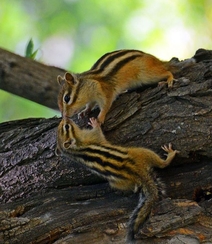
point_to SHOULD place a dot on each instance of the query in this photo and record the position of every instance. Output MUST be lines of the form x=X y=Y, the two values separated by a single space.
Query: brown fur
x=101 y=84
x=126 y=168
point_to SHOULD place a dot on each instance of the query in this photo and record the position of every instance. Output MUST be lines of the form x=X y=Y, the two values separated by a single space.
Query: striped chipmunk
x=125 y=168
x=112 y=74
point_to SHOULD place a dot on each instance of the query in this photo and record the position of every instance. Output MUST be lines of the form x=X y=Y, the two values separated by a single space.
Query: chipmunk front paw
x=94 y=123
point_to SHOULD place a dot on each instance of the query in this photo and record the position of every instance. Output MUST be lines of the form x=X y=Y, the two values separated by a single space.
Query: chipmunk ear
x=60 y=80
x=70 y=78
x=69 y=143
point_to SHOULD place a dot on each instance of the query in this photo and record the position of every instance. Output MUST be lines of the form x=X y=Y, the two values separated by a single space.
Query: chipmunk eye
x=67 y=98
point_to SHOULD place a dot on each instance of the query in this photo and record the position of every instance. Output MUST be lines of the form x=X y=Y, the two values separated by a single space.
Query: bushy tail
x=147 y=198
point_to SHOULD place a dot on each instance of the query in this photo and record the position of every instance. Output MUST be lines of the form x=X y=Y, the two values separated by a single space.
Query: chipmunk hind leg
x=170 y=79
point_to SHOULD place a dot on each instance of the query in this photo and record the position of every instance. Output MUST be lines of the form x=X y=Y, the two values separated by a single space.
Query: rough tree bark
x=49 y=199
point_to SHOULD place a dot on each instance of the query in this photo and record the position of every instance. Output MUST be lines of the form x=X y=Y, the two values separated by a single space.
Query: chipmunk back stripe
x=115 y=149
x=119 y=65
x=115 y=167
x=118 y=150
x=110 y=153
x=102 y=167
x=110 y=58
x=101 y=60
x=104 y=153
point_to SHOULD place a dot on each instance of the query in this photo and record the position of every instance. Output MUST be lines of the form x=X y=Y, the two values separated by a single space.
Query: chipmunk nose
x=68 y=113
x=64 y=114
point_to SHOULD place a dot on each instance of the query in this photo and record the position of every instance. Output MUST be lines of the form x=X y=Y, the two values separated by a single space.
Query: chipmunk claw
x=94 y=123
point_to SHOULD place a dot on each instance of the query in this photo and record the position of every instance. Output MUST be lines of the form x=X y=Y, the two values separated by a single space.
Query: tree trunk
x=50 y=199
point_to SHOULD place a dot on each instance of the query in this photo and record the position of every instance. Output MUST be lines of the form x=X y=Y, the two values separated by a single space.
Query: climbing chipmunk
x=126 y=168
x=112 y=74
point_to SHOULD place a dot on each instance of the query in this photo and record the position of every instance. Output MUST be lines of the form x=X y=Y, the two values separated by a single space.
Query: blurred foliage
x=73 y=34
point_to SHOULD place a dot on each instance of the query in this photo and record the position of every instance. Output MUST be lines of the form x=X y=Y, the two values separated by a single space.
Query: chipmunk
x=125 y=168
x=112 y=74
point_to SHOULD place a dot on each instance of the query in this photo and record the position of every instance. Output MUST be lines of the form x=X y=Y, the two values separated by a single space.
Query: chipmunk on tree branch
x=126 y=168
x=112 y=74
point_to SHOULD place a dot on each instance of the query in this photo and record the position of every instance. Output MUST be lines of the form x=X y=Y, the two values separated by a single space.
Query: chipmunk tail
x=148 y=196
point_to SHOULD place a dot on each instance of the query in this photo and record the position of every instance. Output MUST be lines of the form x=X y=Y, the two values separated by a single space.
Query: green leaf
x=30 y=53
x=33 y=54
x=29 y=48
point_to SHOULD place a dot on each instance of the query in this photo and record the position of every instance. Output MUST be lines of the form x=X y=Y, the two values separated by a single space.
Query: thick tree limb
x=29 y=79
x=95 y=215
x=37 y=210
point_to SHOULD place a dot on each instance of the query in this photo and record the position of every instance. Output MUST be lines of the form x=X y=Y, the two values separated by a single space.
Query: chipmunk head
x=70 y=101
x=65 y=136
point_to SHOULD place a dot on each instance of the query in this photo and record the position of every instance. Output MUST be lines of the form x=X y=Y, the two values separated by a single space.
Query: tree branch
x=29 y=79
x=51 y=199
